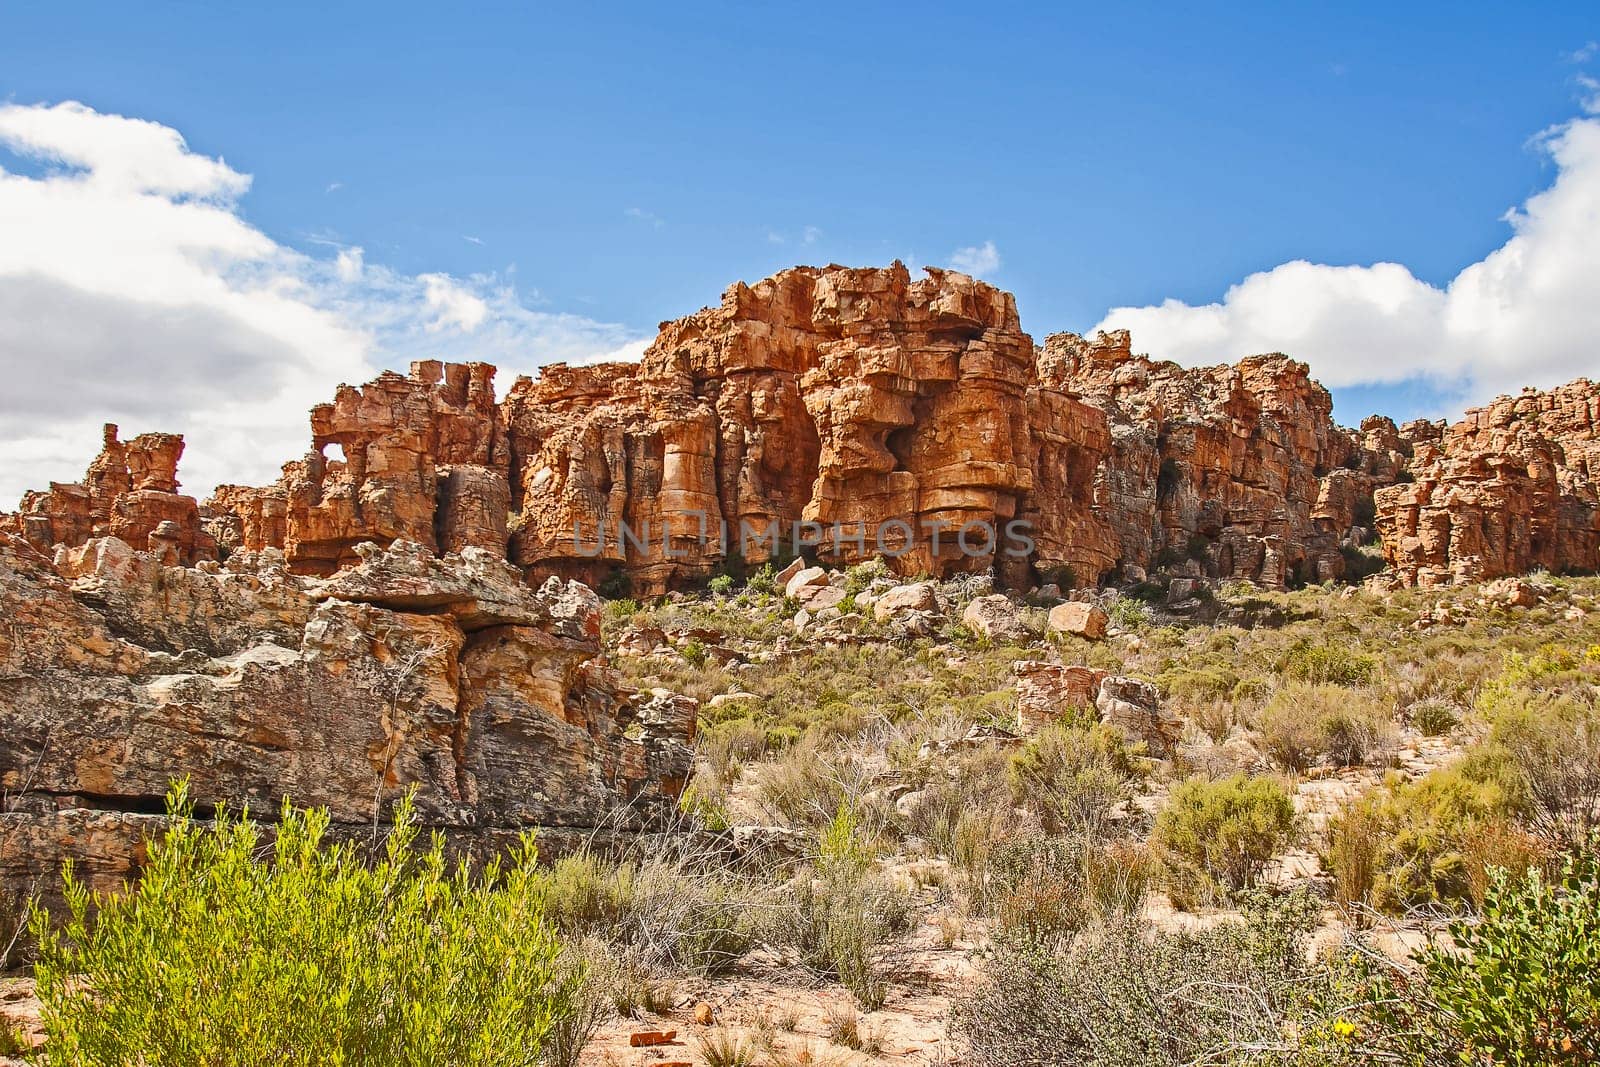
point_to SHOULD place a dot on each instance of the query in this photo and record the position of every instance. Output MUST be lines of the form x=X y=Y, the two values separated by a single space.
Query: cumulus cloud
x=132 y=290
x=977 y=260
x=1526 y=314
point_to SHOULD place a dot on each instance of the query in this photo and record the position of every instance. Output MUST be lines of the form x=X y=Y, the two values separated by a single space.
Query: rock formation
x=130 y=492
x=858 y=412
x=405 y=670
x=1512 y=487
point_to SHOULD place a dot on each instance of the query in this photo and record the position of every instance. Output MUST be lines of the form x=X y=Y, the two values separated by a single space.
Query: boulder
x=918 y=597
x=1048 y=692
x=996 y=617
x=806 y=578
x=1078 y=619
x=1134 y=707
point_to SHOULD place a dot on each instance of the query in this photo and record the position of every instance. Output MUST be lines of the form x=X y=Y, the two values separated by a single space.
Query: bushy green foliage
x=1305 y=723
x=1312 y=661
x=1221 y=833
x=1522 y=984
x=1074 y=776
x=720 y=585
x=230 y=951
x=1427 y=841
x=1042 y=890
x=1518 y=985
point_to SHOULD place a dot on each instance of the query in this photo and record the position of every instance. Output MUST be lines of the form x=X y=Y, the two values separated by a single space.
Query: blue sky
x=621 y=166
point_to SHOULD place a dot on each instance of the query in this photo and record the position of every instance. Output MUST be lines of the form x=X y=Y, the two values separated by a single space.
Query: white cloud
x=453 y=304
x=132 y=290
x=1584 y=54
x=978 y=260
x=1526 y=314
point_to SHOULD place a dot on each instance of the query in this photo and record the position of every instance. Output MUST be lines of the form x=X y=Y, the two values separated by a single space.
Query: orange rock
x=1511 y=487
x=646 y=1038
x=866 y=401
x=705 y=1014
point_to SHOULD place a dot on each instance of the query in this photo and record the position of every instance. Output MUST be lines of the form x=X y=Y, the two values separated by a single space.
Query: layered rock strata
x=448 y=675
x=866 y=411
x=1512 y=487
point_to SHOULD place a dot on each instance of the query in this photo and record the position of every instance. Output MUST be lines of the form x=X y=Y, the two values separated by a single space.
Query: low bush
x=664 y=911
x=841 y=916
x=1220 y=834
x=1120 y=994
x=1043 y=890
x=1074 y=777
x=229 y=951
x=1408 y=844
x=1311 y=661
x=1518 y=985
x=1306 y=723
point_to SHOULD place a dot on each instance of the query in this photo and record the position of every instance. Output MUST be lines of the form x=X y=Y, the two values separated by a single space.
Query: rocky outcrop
x=1512 y=487
x=130 y=492
x=448 y=675
x=1239 y=469
x=858 y=412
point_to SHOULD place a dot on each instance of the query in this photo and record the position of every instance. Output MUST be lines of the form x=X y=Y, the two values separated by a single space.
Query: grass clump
x=221 y=955
x=1075 y=777
x=1121 y=994
x=840 y=916
x=1306 y=723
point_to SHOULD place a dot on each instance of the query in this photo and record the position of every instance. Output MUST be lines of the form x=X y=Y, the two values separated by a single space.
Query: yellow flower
x=1345 y=1028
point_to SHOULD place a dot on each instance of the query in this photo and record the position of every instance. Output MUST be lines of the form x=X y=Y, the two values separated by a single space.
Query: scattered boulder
x=1079 y=619
x=1181 y=589
x=1135 y=708
x=1048 y=691
x=789 y=570
x=803 y=579
x=819 y=598
x=996 y=617
x=918 y=596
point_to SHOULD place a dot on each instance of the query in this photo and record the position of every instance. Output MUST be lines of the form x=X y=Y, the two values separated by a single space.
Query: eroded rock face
x=450 y=675
x=130 y=492
x=1239 y=468
x=1509 y=488
x=887 y=413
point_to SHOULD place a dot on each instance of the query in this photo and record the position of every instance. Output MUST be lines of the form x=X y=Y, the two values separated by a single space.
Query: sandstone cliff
x=873 y=410
x=1511 y=487
x=406 y=670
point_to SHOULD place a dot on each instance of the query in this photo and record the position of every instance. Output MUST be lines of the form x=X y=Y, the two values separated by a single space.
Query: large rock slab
x=446 y=675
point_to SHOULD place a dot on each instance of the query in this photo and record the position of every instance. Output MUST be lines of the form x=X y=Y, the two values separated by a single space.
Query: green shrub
x=1409 y=844
x=840 y=917
x=1434 y=717
x=1305 y=723
x=231 y=952
x=1518 y=985
x=1310 y=661
x=1223 y=832
x=1042 y=890
x=1074 y=777
x=1522 y=984
x=1547 y=751
x=720 y=585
